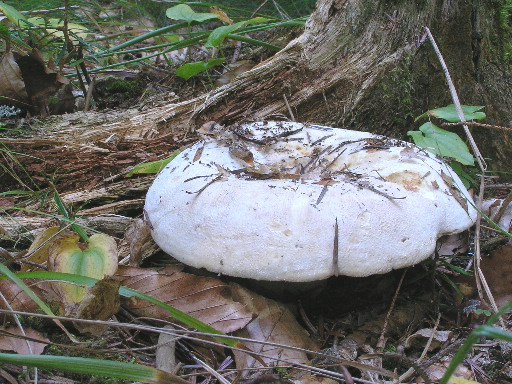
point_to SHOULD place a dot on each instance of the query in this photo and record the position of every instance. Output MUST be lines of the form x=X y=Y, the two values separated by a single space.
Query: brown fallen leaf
x=41 y=81
x=138 y=236
x=420 y=337
x=27 y=82
x=17 y=343
x=497 y=269
x=436 y=371
x=276 y=324
x=100 y=303
x=234 y=70
x=18 y=300
x=12 y=87
x=207 y=299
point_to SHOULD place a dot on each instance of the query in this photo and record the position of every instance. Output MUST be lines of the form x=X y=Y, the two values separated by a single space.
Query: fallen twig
x=477 y=124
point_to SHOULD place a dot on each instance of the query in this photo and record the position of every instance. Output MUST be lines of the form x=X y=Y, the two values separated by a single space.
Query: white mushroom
x=296 y=202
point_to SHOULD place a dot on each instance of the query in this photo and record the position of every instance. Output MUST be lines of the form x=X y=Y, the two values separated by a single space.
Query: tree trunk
x=365 y=65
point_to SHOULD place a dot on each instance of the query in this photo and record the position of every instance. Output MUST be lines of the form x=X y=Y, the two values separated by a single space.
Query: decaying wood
x=25 y=229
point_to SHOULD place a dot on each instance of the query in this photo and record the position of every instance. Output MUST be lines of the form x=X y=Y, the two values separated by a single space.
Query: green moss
x=126 y=87
x=390 y=102
x=505 y=23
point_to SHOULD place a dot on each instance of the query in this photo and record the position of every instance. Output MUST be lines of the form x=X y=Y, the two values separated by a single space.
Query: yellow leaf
x=38 y=250
x=460 y=380
x=221 y=15
x=96 y=259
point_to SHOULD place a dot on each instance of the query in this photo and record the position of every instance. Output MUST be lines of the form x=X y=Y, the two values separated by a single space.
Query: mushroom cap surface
x=288 y=201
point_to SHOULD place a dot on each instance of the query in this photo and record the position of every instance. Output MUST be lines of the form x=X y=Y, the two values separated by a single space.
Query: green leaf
x=13 y=15
x=466 y=179
x=152 y=167
x=188 y=70
x=442 y=143
x=219 y=34
x=185 y=13
x=449 y=113
x=97 y=367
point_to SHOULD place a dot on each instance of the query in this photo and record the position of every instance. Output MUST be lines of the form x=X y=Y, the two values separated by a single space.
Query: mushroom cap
x=287 y=201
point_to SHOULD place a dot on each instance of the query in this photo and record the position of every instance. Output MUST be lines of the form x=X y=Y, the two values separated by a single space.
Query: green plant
x=505 y=15
x=183 y=12
x=113 y=369
x=486 y=330
x=445 y=143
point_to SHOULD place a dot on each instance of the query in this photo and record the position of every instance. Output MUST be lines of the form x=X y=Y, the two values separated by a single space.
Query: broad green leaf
x=185 y=13
x=152 y=166
x=466 y=179
x=449 y=113
x=171 y=38
x=96 y=259
x=219 y=34
x=97 y=367
x=13 y=15
x=188 y=70
x=442 y=143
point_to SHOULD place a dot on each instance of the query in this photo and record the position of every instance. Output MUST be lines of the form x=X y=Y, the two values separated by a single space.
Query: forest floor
x=406 y=323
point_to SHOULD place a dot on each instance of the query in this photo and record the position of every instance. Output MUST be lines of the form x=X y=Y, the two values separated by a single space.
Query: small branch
x=479 y=277
x=456 y=102
x=335 y=250
x=477 y=124
x=289 y=108
x=504 y=206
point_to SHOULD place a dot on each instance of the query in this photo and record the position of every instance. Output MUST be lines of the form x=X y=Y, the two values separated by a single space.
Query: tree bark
x=365 y=65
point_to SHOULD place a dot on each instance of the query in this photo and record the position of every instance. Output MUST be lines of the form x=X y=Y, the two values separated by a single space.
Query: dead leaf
x=17 y=298
x=26 y=82
x=207 y=299
x=497 y=269
x=233 y=71
x=100 y=303
x=222 y=16
x=436 y=371
x=423 y=335
x=18 y=344
x=456 y=244
x=12 y=87
x=40 y=81
x=138 y=235
x=276 y=324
